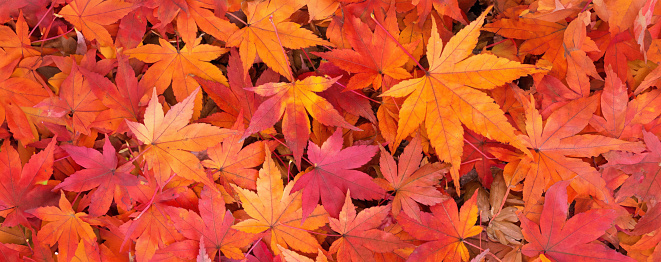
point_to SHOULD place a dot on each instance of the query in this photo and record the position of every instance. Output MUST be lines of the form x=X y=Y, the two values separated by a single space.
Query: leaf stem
x=237 y=18
x=54 y=37
x=481 y=249
x=479 y=151
x=502 y=204
x=359 y=94
x=40 y=20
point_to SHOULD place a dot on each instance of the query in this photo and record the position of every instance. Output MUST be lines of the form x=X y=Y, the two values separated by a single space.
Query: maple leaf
x=196 y=15
x=443 y=7
x=122 y=100
x=89 y=16
x=332 y=175
x=233 y=99
x=554 y=146
x=211 y=228
x=360 y=238
x=24 y=188
x=445 y=228
x=16 y=92
x=76 y=103
x=276 y=212
x=17 y=44
x=645 y=182
x=411 y=183
x=444 y=97
x=177 y=66
x=293 y=100
x=570 y=240
x=291 y=256
x=66 y=227
x=376 y=55
x=169 y=138
x=101 y=172
x=541 y=37
x=266 y=32
x=234 y=163
x=151 y=228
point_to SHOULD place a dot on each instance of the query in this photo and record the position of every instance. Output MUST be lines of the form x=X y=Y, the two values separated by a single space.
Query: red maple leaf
x=570 y=240
x=332 y=175
x=100 y=172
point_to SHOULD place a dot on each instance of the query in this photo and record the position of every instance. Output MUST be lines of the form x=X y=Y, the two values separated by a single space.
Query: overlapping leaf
x=570 y=240
x=361 y=237
x=411 y=183
x=445 y=228
x=276 y=212
x=101 y=172
x=332 y=175
x=168 y=140
x=212 y=225
x=66 y=227
x=293 y=100
x=444 y=98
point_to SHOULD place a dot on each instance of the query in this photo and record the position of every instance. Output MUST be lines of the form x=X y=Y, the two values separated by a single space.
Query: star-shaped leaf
x=411 y=183
x=24 y=188
x=89 y=16
x=375 y=54
x=360 y=236
x=293 y=100
x=277 y=213
x=213 y=225
x=267 y=31
x=66 y=227
x=332 y=175
x=570 y=240
x=444 y=98
x=445 y=228
x=168 y=140
x=101 y=172
x=177 y=66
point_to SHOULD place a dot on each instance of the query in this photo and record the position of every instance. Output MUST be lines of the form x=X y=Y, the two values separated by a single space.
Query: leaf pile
x=330 y=130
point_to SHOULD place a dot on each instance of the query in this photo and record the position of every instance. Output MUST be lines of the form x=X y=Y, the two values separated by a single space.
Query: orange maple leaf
x=376 y=55
x=16 y=44
x=444 y=97
x=76 y=104
x=89 y=16
x=293 y=100
x=360 y=236
x=169 y=138
x=552 y=144
x=411 y=183
x=66 y=227
x=234 y=163
x=266 y=32
x=177 y=66
x=277 y=213
x=445 y=228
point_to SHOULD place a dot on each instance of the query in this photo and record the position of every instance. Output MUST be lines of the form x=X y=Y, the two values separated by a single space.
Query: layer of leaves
x=203 y=130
